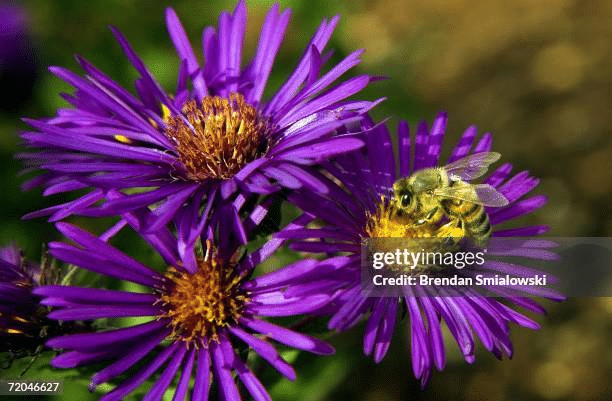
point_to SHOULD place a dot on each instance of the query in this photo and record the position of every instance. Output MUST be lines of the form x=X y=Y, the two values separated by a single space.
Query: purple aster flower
x=359 y=208
x=214 y=136
x=203 y=310
x=17 y=67
x=21 y=317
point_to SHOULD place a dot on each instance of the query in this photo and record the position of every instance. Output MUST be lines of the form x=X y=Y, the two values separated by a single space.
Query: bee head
x=405 y=199
x=405 y=202
x=403 y=196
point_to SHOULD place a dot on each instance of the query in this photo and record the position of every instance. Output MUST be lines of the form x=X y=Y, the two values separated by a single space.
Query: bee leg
x=453 y=231
x=429 y=216
x=453 y=228
x=433 y=212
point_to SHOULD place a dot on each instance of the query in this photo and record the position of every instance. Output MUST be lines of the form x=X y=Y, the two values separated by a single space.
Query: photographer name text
x=456 y=280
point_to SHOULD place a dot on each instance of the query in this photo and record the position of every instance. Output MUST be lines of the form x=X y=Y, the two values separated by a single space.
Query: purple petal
x=210 y=49
x=95 y=263
x=93 y=296
x=314 y=87
x=167 y=210
x=288 y=337
x=226 y=385
x=421 y=355
x=403 y=137
x=111 y=232
x=180 y=41
x=58 y=138
x=420 y=146
x=73 y=359
x=234 y=42
x=76 y=205
x=201 y=386
x=274 y=304
x=104 y=339
x=518 y=209
x=251 y=382
x=336 y=94
x=522 y=231
x=108 y=311
x=283 y=178
x=456 y=324
x=131 y=358
x=379 y=145
x=373 y=324
x=484 y=145
x=107 y=100
x=435 y=333
x=350 y=312
x=288 y=89
x=499 y=175
x=136 y=201
x=266 y=351
x=271 y=37
x=137 y=379
x=383 y=337
x=464 y=145
x=95 y=245
x=323 y=150
x=140 y=66
x=436 y=136
x=157 y=390
x=183 y=384
x=518 y=318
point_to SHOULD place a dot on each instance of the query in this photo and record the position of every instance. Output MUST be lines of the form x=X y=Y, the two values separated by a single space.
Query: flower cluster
x=196 y=174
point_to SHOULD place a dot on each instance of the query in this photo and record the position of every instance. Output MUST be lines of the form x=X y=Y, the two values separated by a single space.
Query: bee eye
x=405 y=200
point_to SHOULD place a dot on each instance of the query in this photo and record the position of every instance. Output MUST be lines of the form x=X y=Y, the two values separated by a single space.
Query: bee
x=429 y=195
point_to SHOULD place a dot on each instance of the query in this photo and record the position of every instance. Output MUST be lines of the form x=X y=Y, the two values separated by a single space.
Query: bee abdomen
x=478 y=224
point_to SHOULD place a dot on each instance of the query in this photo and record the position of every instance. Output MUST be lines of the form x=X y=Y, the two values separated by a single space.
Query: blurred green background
x=536 y=73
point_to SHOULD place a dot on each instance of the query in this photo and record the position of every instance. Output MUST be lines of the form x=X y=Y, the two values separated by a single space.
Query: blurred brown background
x=535 y=73
x=538 y=75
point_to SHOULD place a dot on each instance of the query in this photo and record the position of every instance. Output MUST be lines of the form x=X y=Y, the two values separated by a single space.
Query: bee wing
x=472 y=166
x=490 y=196
x=481 y=194
x=464 y=193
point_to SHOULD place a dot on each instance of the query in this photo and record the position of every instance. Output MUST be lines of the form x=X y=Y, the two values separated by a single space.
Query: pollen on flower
x=216 y=137
x=123 y=139
x=385 y=223
x=199 y=305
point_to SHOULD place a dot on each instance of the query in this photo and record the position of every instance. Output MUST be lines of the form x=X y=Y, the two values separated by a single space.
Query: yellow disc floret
x=216 y=137
x=389 y=231
x=386 y=223
x=199 y=305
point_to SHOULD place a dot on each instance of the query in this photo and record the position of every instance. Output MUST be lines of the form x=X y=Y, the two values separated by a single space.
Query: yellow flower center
x=217 y=137
x=199 y=305
x=389 y=231
x=385 y=223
